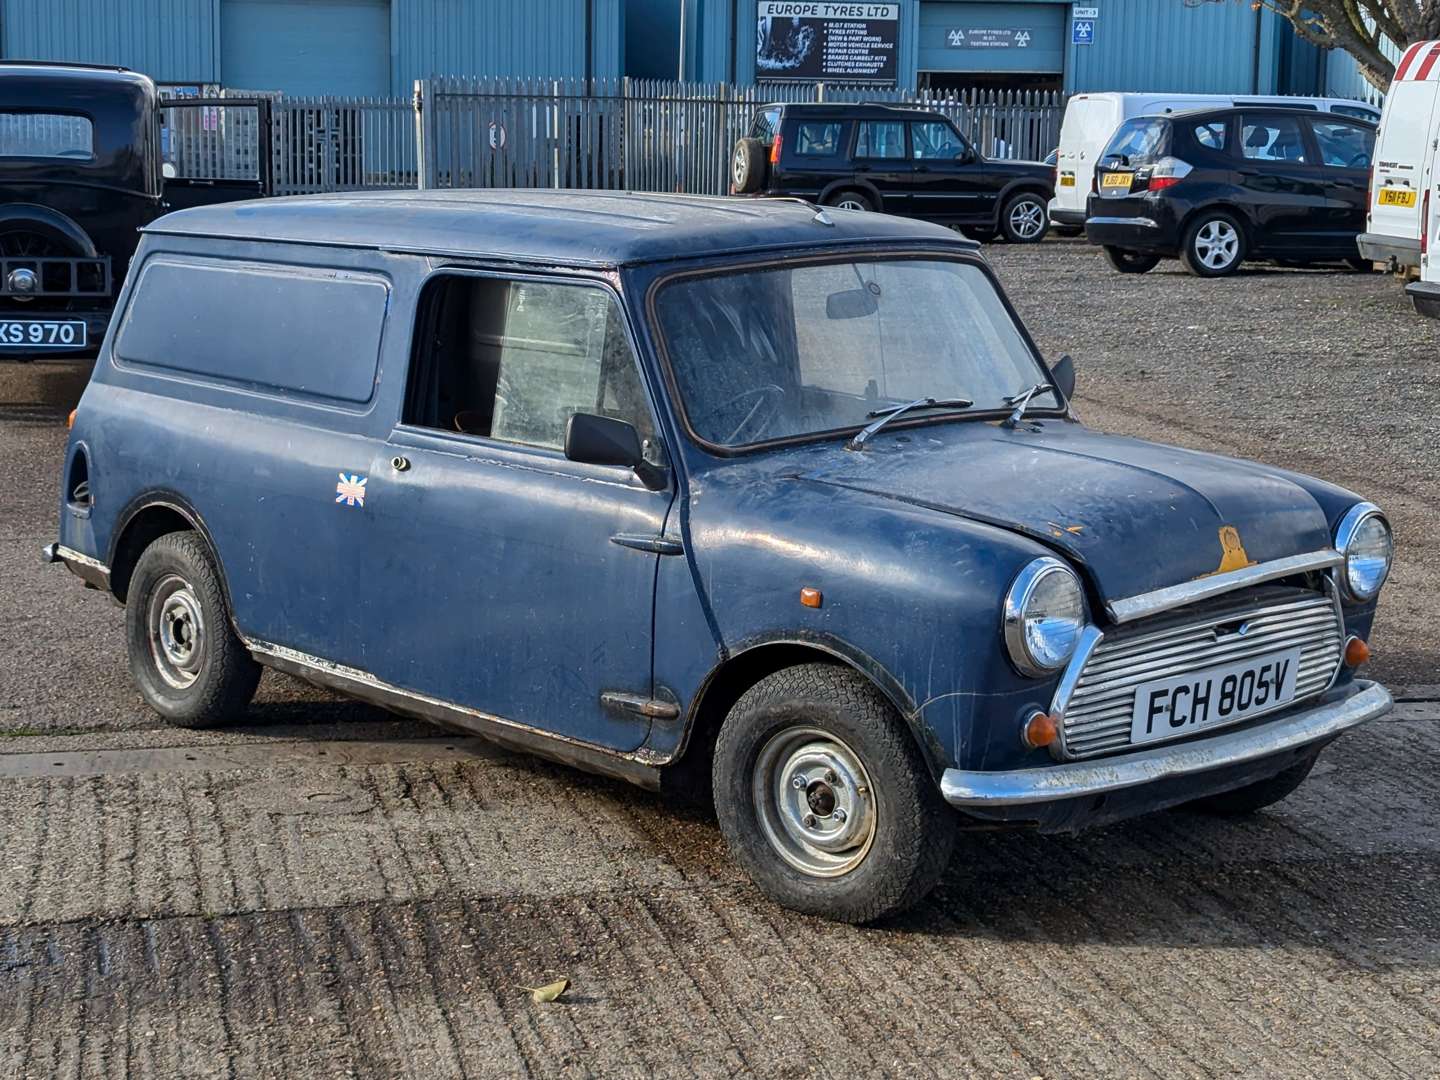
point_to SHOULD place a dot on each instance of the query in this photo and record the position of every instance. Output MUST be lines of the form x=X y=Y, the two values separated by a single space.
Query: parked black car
x=81 y=172
x=1218 y=186
x=894 y=159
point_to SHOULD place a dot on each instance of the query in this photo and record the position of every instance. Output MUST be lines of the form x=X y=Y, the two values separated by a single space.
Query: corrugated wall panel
x=169 y=40
x=540 y=38
x=1167 y=45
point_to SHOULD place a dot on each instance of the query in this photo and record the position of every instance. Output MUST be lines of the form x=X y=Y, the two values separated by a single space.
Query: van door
x=505 y=578
x=1407 y=131
x=1089 y=122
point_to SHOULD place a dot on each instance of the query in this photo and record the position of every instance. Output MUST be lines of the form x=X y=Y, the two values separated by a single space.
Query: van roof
x=569 y=228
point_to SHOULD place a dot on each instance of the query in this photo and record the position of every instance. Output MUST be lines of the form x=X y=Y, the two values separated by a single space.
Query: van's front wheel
x=824 y=799
x=186 y=659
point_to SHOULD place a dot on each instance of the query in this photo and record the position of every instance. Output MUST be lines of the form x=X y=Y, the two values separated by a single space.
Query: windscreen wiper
x=886 y=415
x=1021 y=401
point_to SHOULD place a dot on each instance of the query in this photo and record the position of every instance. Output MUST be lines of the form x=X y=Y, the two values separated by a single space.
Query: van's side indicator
x=351 y=489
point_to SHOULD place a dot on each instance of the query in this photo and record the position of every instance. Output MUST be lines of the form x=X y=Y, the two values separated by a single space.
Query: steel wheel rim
x=850 y=204
x=176 y=625
x=815 y=802
x=737 y=169
x=1217 y=243
x=1027 y=218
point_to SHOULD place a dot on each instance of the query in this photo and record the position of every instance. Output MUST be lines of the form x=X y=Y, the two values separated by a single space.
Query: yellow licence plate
x=1115 y=181
x=1067 y=179
x=1394 y=196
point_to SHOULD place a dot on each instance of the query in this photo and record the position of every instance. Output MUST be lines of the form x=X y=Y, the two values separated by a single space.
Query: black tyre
x=824 y=799
x=1024 y=218
x=1360 y=264
x=184 y=655
x=1214 y=245
x=850 y=200
x=1068 y=230
x=1130 y=262
x=1253 y=797
x=747 y=166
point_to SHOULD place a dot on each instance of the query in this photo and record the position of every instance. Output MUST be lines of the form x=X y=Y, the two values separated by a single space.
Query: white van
x=1403 y=152
x=1090 y=120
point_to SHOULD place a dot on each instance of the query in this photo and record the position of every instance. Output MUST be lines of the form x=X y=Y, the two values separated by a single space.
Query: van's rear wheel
x=824 y=799
x=186 y=659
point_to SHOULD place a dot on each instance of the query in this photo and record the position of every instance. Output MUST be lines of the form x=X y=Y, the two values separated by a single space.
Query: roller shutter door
x=339 y=47
x=965 y=36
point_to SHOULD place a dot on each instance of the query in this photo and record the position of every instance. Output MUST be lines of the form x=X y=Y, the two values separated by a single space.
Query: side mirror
x=602 y=440
x=1062 y=372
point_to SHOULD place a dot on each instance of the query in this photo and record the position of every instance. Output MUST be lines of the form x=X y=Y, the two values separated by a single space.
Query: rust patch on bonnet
x=1232 y=553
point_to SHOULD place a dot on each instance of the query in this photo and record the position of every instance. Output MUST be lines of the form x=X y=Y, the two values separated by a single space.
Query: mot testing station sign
x=987 y=38
x=1082 y=32
x=816 y=41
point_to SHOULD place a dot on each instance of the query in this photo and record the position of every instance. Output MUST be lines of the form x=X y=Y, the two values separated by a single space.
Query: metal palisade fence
x=615 y=134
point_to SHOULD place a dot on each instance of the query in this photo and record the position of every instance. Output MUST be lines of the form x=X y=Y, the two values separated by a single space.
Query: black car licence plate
x=42 y=334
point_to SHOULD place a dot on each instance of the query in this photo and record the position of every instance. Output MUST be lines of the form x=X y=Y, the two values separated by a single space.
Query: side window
x=936 y=141
x=880 y=139
x=1272 y=138
x=1343 y=144
x=1360 y=112
x=1211 y=135
x=513 y=360
x=819 y=138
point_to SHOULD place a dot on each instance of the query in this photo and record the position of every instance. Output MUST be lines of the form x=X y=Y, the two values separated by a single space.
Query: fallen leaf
x=549 y=992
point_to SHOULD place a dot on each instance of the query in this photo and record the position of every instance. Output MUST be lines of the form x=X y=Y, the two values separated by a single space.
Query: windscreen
x=769 y=354
x=1143 y=140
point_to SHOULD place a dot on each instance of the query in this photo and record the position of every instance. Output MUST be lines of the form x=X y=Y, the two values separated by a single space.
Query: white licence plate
x=1171 y=708
x=42 y=333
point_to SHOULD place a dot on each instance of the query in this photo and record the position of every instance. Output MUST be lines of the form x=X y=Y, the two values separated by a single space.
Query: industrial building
x=379 y=47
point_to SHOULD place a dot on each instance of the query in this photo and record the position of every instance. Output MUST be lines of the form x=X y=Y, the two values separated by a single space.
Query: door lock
x=399 y=464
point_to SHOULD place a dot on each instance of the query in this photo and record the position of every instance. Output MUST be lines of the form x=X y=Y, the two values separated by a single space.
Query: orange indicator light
x=810 y=597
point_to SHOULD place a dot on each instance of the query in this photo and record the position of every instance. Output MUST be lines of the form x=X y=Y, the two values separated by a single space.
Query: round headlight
x=1363 y=537
x=1044 y=615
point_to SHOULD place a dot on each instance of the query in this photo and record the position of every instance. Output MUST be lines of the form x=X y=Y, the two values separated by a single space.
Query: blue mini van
x=732 y=496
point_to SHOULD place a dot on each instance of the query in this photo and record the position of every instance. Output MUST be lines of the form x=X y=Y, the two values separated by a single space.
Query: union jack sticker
x=351 y=489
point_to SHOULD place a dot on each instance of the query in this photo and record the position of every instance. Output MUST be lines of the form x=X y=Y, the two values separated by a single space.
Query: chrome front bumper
x=1020 y=787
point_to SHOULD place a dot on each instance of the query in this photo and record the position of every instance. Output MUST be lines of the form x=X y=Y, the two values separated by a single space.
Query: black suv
x=899 y=160
x=1219 y=186
x=84 y=164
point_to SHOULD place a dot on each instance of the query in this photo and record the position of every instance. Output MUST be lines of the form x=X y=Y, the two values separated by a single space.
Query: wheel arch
x=63 y=226
x=1019 y=186
x=742 y=669
x=853 y=183
x=144 y=521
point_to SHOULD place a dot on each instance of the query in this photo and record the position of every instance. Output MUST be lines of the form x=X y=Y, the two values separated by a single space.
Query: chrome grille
x=1097 y=716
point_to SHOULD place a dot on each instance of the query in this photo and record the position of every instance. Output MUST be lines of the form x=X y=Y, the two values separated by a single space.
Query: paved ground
x=329 y=892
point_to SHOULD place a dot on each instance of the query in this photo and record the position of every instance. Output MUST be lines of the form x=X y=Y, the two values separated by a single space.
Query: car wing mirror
x=603 y=440
x=851 y=304
x=1062 y=375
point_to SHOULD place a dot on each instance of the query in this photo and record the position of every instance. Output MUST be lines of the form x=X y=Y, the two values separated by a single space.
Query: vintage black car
x=899 y=160
x=80 y=174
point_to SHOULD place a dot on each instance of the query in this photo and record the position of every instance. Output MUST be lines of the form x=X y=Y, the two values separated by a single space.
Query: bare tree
x=1358 y=27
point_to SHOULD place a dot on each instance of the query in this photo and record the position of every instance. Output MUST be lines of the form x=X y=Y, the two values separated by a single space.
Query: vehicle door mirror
x=1063 y=375
x=602 y=440
x=850 y=304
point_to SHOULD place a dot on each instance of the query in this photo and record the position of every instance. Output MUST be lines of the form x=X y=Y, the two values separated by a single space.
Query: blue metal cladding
x=169 y=40
x=337 y=47
x=1168 y=45
x=538 y=38
x=1138 y=45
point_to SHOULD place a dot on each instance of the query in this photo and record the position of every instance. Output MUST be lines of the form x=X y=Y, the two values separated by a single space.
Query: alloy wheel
x=1217 y=245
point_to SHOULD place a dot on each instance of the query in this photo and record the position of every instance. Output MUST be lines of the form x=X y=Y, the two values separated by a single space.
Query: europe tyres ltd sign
x=813 y=41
